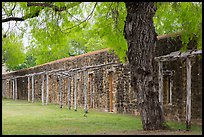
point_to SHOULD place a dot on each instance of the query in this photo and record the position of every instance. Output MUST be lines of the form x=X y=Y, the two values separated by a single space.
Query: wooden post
x=85 y=92
x=111 y=91
x=75 y=92
x=60 y=91
x=42 y=95
x=170 y=90
x=6 y=88
x=3 y=88
x=92 y=92
x=15 y=88
x=47 y=88
x=160 y=79
x=78 y=90
x=188 y=99
x=69 y=95
x=33 y=88
x=28 y=89
x=91 y=89
x=6 y=94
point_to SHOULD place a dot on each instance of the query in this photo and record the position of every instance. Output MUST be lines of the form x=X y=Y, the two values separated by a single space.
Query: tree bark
x=141 y=38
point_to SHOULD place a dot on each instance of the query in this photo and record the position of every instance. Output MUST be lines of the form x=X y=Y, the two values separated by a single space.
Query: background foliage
x=82 y=27
x=12 y=51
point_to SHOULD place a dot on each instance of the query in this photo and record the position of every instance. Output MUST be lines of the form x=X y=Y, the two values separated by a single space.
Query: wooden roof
x=178 y=54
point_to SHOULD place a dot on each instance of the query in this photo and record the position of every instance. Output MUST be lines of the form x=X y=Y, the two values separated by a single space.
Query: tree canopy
x=63 y=29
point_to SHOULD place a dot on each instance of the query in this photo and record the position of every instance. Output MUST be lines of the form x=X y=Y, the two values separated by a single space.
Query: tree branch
x=13 y=8
x=87 y=18
x=32 y=15
x=12 y=19
x=55 y=8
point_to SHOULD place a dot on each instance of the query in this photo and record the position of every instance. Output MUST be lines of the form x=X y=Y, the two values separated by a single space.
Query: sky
x=5 y=27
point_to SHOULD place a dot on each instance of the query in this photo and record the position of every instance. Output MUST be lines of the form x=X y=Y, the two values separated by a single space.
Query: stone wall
x=108 y=86
x=98 y=82
x=177 y=109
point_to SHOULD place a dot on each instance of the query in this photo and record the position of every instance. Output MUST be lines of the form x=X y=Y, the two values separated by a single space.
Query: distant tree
x=28 y=62
x=12 y=51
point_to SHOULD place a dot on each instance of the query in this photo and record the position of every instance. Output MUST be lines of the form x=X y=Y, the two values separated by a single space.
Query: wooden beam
x=35 y=74
x=69 y=93
x=28 y=89
x=168 y=35
x=188 y=99
x=160 y=79
x=47 y=88
x=33 y=88
x=42 y=89
x=85 y=92
x=178 y=54
x=64 y=71
x=75 y=92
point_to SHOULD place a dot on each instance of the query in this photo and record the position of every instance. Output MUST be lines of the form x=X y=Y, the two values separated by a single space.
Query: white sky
x=5 y=27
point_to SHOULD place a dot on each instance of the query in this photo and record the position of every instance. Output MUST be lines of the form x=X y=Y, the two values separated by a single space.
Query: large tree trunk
x=141 y=37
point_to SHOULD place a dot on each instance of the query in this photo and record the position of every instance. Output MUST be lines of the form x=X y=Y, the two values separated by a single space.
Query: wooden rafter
x=178 y=54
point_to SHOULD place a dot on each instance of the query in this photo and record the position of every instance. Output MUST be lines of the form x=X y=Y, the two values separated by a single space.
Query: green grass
x=21 y=117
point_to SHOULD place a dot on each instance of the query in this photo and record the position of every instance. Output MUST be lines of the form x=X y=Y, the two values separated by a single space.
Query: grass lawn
x=21 y=117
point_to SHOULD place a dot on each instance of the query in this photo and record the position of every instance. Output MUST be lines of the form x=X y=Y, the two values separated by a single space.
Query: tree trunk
x=141 y=37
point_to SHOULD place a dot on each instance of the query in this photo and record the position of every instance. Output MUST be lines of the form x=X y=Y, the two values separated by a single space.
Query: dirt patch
x=157 y=132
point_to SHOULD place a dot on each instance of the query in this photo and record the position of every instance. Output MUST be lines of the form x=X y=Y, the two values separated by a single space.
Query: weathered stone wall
x=98 y=77
x=108 y=87
x=177 y=110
